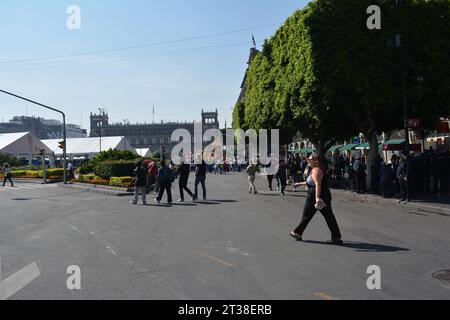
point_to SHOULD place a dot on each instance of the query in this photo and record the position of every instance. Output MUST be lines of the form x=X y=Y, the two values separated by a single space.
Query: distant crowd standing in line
x=403 y=177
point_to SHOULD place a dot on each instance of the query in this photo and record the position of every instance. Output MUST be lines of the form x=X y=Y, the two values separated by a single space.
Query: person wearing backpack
x=165 y=179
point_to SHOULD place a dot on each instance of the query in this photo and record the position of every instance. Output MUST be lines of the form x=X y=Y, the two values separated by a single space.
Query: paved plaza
x=232 y=246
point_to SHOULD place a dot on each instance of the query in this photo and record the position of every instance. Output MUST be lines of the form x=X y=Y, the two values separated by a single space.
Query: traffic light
x=61 y=144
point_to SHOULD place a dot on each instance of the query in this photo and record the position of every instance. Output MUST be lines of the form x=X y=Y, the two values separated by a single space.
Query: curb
x=110 y=192
x=377 y=199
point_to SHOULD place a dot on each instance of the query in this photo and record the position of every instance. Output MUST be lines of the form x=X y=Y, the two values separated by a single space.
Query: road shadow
x=291 y=195
x=162 y=205
x=185 y=204
x=208 y=203
x=224 y=201
x=363 y=247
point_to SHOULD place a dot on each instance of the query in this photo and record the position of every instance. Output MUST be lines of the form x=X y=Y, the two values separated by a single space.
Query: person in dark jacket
x=360 y=172
x=140 y=183
x=200 y=178
x=165 y=179
x=183 y=171
x=403 y=178
x=282 y=176
x=386 y=174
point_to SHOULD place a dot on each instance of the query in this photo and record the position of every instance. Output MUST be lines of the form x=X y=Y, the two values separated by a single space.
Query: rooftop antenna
x=153 y=114
x=254 y=42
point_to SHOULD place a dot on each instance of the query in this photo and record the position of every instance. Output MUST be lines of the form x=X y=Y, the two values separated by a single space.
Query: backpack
x=165 y=175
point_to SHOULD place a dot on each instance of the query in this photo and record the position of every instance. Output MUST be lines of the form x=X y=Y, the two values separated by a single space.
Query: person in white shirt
x=8 y=175
x=251 y=171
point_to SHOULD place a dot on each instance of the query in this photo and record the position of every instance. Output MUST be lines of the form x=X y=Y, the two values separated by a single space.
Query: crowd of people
x=403 y=176
x=149 y=175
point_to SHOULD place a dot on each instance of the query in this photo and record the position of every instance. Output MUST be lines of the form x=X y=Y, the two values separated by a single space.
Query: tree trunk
x=373 y=141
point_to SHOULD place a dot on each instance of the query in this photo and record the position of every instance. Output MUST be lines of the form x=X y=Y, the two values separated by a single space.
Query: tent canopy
x=21 y=144
x=88 y=146
x=145 y=152
x=335 y=148
x=348 y=147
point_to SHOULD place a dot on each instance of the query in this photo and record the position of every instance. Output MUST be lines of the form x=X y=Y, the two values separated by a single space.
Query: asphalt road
x=233 y=246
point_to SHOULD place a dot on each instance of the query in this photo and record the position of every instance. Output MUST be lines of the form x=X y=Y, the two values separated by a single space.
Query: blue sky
x=178 y=78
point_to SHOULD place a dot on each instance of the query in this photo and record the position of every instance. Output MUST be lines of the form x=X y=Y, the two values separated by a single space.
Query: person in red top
x=152 y=173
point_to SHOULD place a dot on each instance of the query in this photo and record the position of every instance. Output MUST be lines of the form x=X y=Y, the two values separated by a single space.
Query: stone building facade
x=147 y=135
x=41 y=128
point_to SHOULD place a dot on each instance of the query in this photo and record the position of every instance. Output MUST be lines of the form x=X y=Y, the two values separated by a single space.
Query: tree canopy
x=325 y=74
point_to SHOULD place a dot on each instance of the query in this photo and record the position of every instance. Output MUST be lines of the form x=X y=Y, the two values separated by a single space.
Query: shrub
x=52 y=174
x=99 y=181
x=114 y=155
x=124 y=182
x=86 y=178
x=6 y=158
x=86 y=168
x=57 y=172
x=108 y=169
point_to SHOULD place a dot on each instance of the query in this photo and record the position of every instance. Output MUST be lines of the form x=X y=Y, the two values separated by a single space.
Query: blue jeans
x=198 y=180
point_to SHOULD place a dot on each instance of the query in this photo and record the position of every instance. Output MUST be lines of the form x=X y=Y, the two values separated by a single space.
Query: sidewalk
x=427 y=203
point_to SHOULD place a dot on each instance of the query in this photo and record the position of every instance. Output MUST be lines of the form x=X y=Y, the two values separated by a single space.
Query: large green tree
x=325 y=74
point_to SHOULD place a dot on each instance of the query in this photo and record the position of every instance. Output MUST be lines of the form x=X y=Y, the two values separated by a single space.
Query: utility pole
x=100 y=125
x=399 y=45
x=64 y=126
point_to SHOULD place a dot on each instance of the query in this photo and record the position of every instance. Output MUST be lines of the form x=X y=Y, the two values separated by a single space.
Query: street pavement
x=232 y=246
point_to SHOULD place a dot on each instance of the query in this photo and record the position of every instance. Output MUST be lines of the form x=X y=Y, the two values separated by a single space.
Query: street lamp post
x=100 y=125
x=398 y=44
x=64 y=126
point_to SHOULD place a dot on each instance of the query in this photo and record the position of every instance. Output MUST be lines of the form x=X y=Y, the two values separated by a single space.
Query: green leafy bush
x=108 y=169
x=86 y=168
x=6 y=158
x=124 y=182
x=86 y=178
x=113 y=155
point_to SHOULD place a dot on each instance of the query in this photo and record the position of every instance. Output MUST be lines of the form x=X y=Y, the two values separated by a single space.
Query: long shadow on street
x=363 y=247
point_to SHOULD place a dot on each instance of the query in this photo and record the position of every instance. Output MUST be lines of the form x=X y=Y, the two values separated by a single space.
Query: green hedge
x=124 y=182
x=86 y=178
x=30 y=174
x=108 y=169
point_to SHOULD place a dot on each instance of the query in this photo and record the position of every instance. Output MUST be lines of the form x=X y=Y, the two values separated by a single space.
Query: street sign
x=443 y=127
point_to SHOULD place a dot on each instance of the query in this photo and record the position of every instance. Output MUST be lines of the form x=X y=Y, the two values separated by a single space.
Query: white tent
x=21 y=144
x=145 y=152
x=88 y=147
